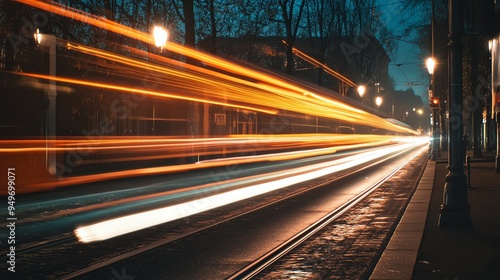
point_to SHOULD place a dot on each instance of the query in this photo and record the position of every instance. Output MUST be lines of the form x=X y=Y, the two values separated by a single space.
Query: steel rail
x=278 y=252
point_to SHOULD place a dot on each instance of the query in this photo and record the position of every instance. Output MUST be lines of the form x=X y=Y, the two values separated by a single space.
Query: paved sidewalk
x=419 y=249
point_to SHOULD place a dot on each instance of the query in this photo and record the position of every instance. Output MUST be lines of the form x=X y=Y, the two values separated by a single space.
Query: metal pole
x=455 y=212
x=432 y=29
x=433 y=119
x=434 y=134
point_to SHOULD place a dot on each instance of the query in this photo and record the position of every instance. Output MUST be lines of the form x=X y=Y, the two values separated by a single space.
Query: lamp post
x=160 y=36
x=434 y=103
x=455 y=212
x=49 y=40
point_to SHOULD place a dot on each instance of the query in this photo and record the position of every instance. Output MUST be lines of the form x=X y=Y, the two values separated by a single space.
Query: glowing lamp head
x=160 y=35
x=430 y=63
x=361 y=91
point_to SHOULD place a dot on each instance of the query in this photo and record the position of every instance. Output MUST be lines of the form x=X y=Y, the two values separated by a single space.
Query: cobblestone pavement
x=350 y=247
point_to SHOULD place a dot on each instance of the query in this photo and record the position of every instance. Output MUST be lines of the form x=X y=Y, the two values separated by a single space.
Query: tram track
x=306 y=232
x=271 y=257
x=124 y=255
x=275 y=254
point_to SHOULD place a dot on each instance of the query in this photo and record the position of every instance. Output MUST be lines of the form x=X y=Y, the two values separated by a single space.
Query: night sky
x=407 y=65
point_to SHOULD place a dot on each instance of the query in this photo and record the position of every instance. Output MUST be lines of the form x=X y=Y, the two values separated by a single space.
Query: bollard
x=467 y=165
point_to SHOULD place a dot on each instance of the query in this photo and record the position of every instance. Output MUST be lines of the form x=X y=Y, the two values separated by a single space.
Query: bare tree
x=186 y=15
x=291 y=13
x=320 y=16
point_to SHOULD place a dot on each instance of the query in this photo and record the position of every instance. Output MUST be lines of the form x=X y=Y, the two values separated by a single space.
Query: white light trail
x=130 y=223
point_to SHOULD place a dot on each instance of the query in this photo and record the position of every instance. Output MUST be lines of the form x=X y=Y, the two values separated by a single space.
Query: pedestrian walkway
x=419 y=249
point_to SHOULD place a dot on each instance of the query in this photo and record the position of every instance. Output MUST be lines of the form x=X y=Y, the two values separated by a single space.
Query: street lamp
x=50 y=114
x=430 y=63
x=378 y=101
x=434 y=103
x=160 y=36
x=419 y=112
x=361 y=91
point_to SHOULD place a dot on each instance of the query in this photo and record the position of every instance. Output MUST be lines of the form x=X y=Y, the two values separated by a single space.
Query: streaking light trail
x=126 y=224
x=288 y=95
x=121 y=149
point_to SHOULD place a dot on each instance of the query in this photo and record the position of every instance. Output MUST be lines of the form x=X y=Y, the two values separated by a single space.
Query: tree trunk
x=213 y=37
x=189 y=23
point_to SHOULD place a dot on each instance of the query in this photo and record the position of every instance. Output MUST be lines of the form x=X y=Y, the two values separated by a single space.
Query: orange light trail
x=292 y=91
x=250 y=89
x=257 y=93
x=143 y=143
x=143 y=91
x=118 y=149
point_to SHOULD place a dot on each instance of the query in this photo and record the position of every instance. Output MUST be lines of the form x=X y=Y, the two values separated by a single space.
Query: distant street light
x=160 y=35
x=50 y=114
x=361 y=91
x=430 y=63
x=420 y=112
x=378 y=101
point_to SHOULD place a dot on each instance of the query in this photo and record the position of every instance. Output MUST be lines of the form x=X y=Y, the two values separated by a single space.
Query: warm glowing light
x=119 y=149
x=361 y=91
x=148 y=92
x=290 y=94
x=378 y=101
x=430 y=63
x=125 y=149
x=224 y=83
x=38 y=36
x=160 y=35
